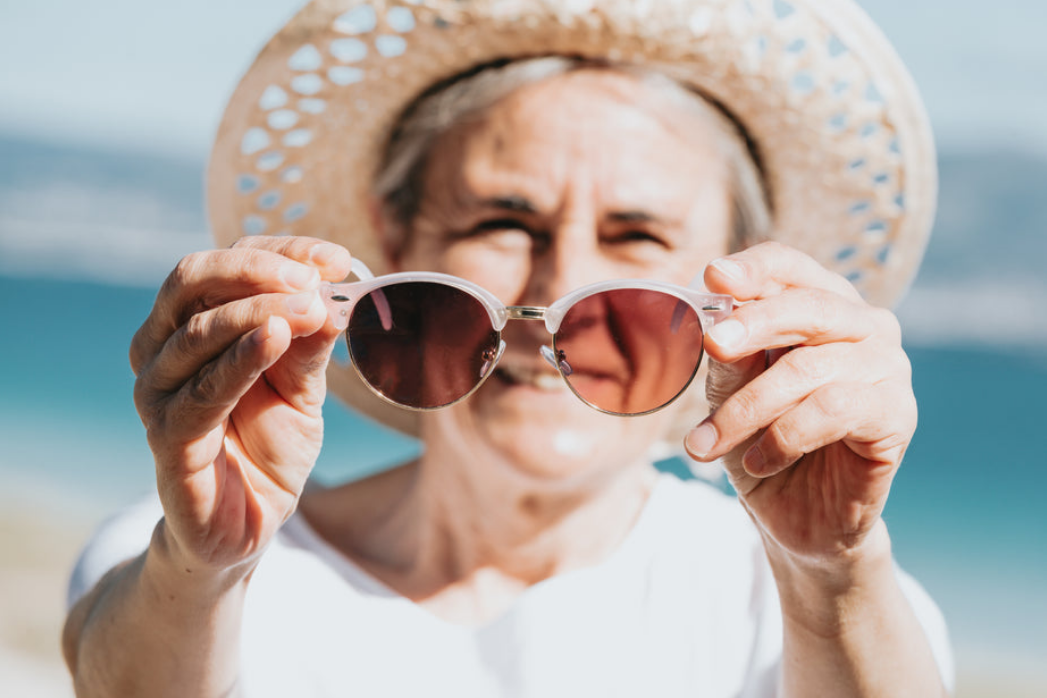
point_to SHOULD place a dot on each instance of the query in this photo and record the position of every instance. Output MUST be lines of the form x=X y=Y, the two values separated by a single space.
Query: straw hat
x=844 y=142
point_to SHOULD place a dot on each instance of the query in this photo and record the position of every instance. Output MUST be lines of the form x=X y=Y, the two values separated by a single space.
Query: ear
x=390 y=236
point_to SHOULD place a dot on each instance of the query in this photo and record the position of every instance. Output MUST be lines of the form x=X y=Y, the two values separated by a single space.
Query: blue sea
x=966 y=513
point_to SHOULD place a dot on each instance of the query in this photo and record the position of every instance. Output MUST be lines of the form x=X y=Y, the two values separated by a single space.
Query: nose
x=569 y=260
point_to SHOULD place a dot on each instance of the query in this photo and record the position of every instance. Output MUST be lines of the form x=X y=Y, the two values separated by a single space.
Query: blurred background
x=107 y=110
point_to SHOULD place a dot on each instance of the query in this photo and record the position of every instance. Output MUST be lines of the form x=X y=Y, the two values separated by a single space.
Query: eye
x=496 y=225
x=637 y=236
x=502 y=233
x=487 y=229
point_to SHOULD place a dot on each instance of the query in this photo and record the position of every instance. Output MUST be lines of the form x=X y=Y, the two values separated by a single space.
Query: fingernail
x=729 y=334
x=324 y=253
x=730 y=269
x=262 y=334
x=702 y=439
x=299 y=276
x=302 y=303
x=754 y=462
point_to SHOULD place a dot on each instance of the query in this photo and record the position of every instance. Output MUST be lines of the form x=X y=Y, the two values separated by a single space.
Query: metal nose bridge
x=532 y=312
x=525 y=312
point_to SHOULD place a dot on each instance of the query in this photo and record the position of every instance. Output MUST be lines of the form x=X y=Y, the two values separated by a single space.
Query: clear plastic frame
x=425 y=340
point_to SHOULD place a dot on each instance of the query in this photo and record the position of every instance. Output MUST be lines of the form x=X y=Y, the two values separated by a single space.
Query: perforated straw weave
x=843 y=138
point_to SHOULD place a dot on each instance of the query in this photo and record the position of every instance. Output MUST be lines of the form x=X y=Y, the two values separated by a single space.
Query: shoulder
x=676 y=491
x=697 y=510
x=295 y=555
x=699 y=537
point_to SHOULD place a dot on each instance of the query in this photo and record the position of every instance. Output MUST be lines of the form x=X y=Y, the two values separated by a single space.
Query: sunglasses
x=424 y=340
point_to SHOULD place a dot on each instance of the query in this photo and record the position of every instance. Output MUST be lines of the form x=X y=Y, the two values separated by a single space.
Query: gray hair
x=398 y=183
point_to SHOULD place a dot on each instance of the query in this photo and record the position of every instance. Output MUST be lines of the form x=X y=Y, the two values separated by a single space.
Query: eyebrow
x=521 y=204
x=634 y=217
x=517 y=204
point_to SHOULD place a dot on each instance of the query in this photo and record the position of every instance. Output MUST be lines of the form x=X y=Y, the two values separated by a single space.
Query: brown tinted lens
x=630 y=351
x=421 y=344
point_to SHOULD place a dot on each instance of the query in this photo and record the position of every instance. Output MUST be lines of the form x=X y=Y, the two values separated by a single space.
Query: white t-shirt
x=686 y=606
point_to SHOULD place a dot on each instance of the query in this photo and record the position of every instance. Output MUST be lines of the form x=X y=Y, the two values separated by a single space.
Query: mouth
x=531 y=377
x=542 y=379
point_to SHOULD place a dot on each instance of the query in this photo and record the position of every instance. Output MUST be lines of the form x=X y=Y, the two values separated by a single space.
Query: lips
x=540 y=379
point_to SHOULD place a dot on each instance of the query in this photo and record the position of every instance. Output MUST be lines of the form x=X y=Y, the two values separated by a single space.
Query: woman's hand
x=231 y=381
x=813 y=405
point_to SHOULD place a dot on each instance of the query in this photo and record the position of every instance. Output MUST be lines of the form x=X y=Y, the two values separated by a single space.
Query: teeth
x=542 y=380
x=548 y=381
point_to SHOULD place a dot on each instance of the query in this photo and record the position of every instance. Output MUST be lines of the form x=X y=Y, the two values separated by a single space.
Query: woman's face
x=582 y=178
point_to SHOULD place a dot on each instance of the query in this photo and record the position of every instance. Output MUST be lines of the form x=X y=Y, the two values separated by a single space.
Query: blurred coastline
x=87 y=235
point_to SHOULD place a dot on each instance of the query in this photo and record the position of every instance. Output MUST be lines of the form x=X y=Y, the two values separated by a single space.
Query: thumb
x=723 y=381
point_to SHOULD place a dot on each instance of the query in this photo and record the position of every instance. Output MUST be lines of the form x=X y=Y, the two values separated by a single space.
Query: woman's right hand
x=230 y=368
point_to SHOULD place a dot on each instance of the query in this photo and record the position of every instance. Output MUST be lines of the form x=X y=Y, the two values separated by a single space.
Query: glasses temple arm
x=360 y=270
x=381 y=303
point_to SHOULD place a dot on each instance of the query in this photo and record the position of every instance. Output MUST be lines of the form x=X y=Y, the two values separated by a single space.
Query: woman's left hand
x=813 y=403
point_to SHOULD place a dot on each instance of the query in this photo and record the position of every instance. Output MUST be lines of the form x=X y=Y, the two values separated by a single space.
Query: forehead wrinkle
x=457 y=170
x=504 y=182
x=492 y=170
x=639 y=112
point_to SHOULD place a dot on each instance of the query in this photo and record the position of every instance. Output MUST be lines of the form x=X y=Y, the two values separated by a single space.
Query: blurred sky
x=145 y=75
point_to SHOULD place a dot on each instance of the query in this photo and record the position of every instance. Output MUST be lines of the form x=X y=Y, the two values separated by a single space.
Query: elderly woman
x=503 y=158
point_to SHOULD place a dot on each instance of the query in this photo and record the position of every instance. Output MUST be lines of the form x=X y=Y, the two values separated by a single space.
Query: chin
x=550 y=435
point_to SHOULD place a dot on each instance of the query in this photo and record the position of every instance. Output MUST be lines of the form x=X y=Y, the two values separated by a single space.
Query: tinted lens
x=421 y=344
x=629 y=351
